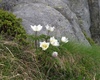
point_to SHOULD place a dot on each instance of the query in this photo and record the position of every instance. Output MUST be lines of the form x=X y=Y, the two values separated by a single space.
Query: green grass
x=74 y=62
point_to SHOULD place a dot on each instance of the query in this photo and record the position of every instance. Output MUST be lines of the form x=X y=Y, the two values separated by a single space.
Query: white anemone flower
x=49 y=28
x=44 y=45
x=36 y=28
x=54 y=41
x=64 y=39
x=55 y=54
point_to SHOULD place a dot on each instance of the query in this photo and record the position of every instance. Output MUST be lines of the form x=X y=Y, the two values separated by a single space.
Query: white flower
x=64 y=39
x=44 y=45
x=36 y=28
x=55 y=54
x=54 y=41
x=50 y=28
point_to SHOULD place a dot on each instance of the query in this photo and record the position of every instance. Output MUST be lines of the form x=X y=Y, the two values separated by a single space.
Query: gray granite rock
x=37 y=13
x=81 y=9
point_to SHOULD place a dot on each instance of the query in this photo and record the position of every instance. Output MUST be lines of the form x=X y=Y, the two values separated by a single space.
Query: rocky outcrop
x=34 y=14
x=81 y=9
x=71 y=18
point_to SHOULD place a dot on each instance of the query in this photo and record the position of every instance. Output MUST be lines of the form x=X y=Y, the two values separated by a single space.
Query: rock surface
x=72 y=18
x=95 y=19
x=81 y=9
x=34 y=14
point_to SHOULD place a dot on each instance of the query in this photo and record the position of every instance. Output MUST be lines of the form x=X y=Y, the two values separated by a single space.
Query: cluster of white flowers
x=53 y=41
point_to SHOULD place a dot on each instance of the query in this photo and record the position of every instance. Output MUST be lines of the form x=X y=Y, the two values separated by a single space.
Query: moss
x=90 y=40
x=10 y=27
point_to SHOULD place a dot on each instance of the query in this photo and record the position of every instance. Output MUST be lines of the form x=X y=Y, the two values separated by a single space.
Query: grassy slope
x=76 y=62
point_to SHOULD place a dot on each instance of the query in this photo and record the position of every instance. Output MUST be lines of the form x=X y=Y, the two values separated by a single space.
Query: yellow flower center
x=44 y=45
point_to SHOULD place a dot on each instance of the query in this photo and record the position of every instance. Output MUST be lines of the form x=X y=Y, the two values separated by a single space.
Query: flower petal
x=39 y=27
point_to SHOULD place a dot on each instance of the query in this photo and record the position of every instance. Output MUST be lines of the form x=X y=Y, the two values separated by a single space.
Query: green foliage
x=10 y=27
x=90 y=40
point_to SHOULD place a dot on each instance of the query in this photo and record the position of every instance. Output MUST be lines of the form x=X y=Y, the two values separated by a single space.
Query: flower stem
x=47 y=36
x=36 y=45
